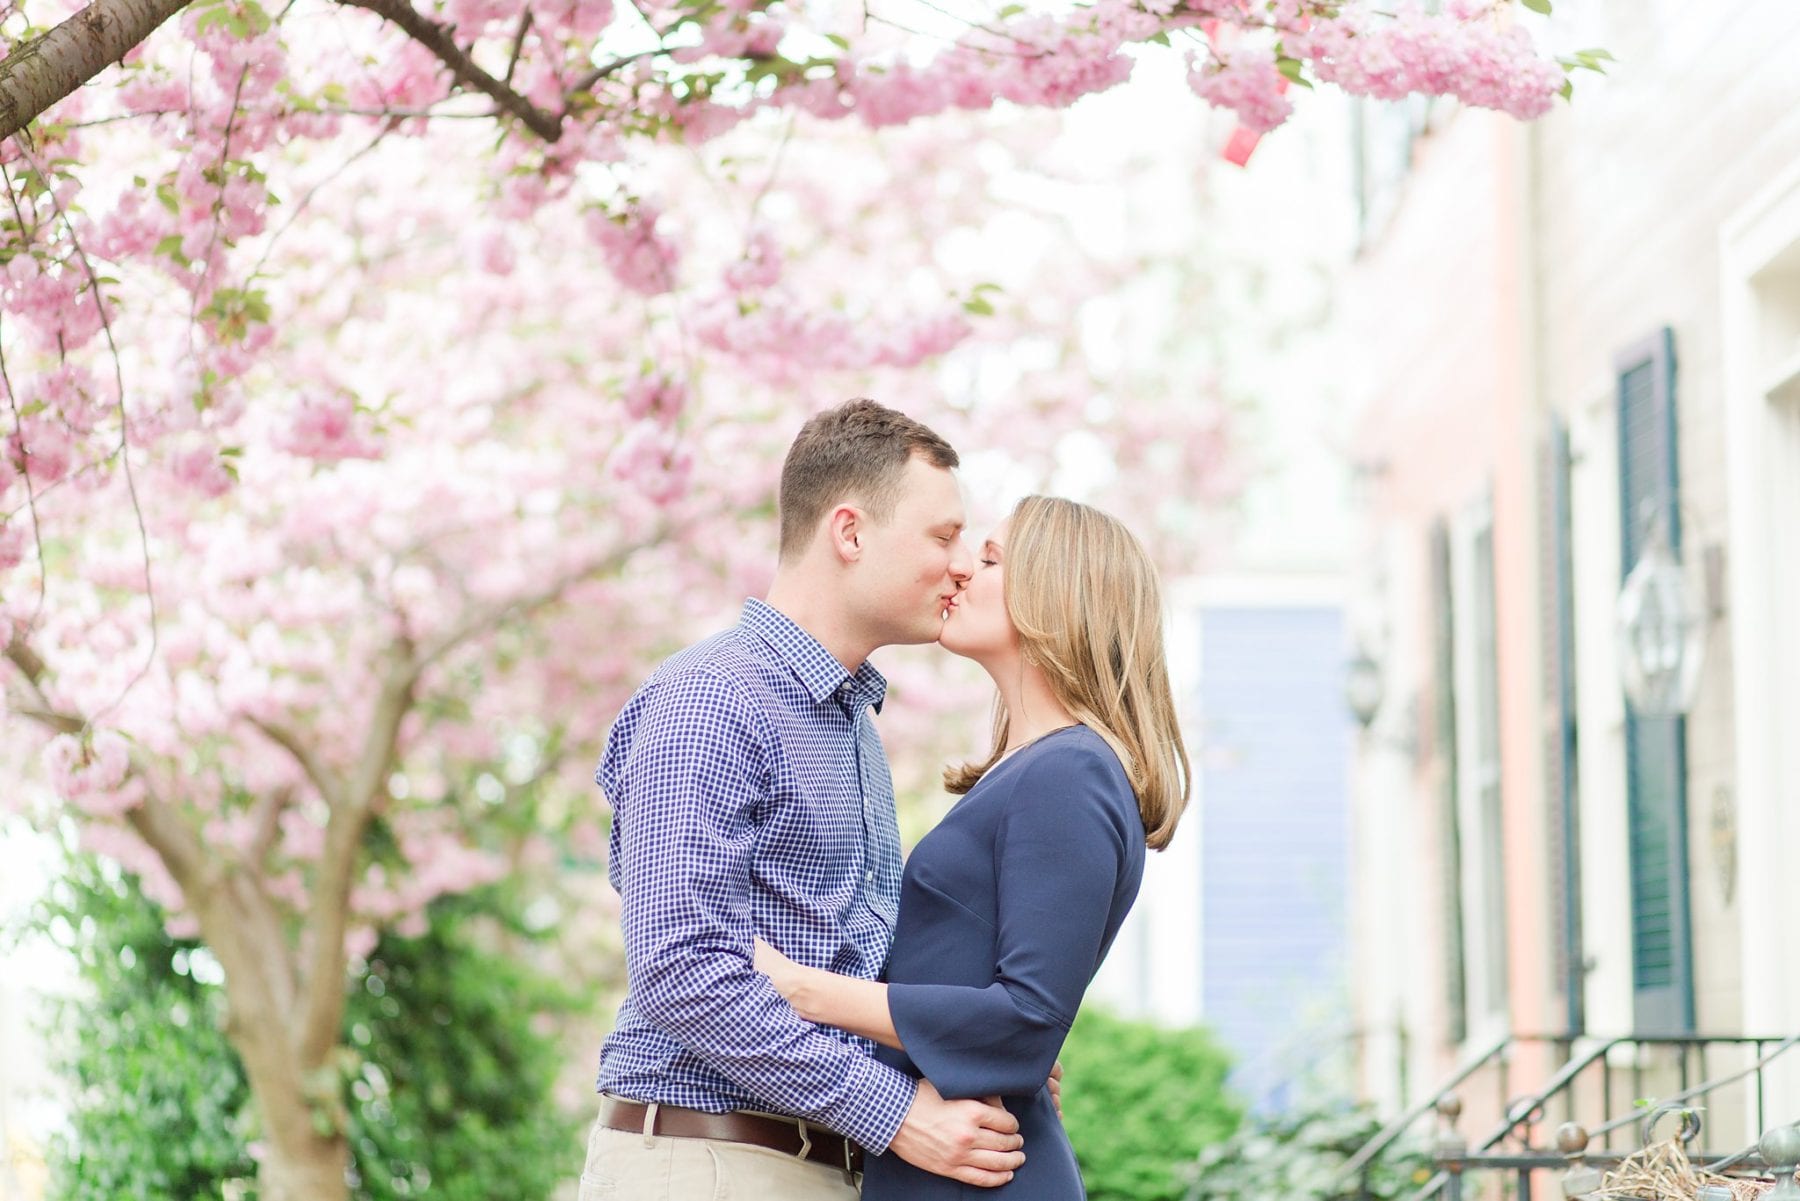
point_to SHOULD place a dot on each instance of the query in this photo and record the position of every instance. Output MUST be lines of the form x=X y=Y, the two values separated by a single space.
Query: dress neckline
x=1025 y=746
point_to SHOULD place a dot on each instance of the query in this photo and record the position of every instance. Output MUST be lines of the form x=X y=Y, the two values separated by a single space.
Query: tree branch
x=266 y=816
x=604 y=69
x=322 y=1005
x=32 y=668
x=54 y=64
x=518 y=48
x=154 y=820
x=310 y=763
x=437 y=39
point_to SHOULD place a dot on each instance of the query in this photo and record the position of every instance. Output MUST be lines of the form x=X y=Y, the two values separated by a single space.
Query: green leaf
x=1537 y=6
x=1293 y=70
x=216 y=15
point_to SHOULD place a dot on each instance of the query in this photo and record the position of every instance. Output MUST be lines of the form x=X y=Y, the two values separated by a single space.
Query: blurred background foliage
x=448 y=1092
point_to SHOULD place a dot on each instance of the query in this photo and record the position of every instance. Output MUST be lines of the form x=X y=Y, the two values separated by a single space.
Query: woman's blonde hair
x=1084 y=596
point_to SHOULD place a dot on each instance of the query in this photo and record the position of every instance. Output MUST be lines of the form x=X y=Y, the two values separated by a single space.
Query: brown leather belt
x=816 y=1144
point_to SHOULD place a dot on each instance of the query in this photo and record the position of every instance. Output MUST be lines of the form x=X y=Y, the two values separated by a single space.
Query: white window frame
x=1760 y=310
x=1483 y=869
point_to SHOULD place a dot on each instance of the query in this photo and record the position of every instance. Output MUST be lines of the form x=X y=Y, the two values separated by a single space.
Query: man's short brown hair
x=856 y=451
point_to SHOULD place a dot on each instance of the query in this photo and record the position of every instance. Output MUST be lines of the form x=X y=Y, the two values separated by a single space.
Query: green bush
x=452 y=1087
x=1301 y=1153
x=1141 y=1101
x=157 y=1097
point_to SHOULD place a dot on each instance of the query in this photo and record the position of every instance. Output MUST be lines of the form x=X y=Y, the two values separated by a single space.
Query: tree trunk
x=298 y=1096
x=312 y=1172
x=299 y=1163
x=52 y=66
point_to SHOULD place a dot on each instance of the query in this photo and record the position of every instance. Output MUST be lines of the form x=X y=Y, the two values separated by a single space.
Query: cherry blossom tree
x=387 y=390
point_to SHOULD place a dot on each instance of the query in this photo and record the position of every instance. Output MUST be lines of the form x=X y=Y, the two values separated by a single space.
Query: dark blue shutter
x=1558 y=611
x=1655 y=747
x=1444 y=690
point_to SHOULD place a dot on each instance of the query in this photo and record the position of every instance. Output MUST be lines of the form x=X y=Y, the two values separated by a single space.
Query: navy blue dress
x=1006 y=910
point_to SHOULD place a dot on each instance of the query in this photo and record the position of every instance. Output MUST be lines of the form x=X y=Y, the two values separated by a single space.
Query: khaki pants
x=631 y=1167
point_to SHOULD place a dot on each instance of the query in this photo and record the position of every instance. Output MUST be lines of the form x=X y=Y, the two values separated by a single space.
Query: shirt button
x=868 y=877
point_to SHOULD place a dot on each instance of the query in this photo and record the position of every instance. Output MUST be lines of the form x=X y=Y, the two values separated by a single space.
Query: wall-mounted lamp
x=1363 y=687
x=1661 y=629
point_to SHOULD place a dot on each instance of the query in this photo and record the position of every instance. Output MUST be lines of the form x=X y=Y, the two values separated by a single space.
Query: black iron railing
x=1511 y=1146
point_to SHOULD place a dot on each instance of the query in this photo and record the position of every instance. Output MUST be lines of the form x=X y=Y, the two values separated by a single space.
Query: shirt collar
x=815 y=667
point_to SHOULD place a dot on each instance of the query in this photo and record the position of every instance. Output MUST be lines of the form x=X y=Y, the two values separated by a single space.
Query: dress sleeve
x=1059 y=852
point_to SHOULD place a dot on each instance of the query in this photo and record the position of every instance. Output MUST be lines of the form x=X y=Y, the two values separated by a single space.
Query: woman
x=1009 y=905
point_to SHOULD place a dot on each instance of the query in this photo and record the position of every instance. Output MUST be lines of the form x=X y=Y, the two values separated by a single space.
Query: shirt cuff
x=875 y=1103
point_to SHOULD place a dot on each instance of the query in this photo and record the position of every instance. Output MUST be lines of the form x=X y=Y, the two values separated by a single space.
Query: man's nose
x=962 y=562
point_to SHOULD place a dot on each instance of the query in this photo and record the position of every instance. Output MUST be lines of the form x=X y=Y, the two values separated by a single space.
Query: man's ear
x=843 y=528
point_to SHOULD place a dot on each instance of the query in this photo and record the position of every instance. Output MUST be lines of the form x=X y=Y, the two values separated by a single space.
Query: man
x=751 y=796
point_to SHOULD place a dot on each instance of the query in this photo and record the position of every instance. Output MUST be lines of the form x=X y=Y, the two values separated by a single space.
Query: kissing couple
x=808 y=1018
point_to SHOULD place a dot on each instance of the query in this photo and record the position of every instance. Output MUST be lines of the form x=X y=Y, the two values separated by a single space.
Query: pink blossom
x=924 y=340
x=496 y=252
x=760 y=266
x=246 y=68
x=635 y=253
x=471 y=17
x=327 y=428
x=655 y=396
x=360 y=942
x=133 y=228
x=651 y=461
x=92 y=776
x=46 y=452
x=1470 y=57
x=1246 y=82
x=899 y=95
x=57 y=305
x=153 y=93
x=586 y=18
x=701 y=121
x=409 y=77
x=1072 y=68
x=15 y=540
x=201 y=469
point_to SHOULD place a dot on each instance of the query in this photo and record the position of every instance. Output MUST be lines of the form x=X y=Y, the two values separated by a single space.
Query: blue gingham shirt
x=751 y=796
